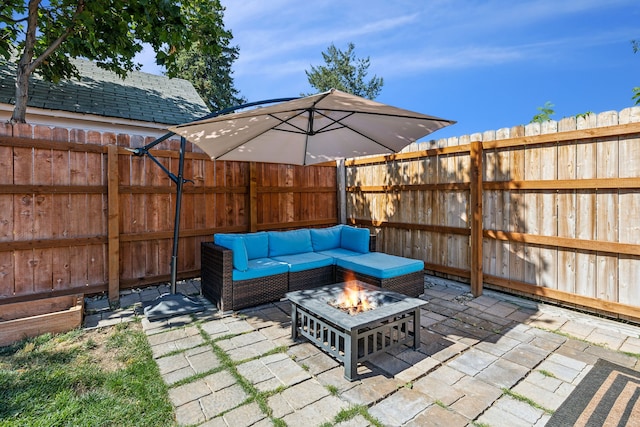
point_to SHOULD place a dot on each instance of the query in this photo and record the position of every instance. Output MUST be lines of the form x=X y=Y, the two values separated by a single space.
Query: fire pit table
x=349 y=334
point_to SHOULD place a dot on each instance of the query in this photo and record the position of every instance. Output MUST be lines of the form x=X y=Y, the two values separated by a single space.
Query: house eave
x=65 y=119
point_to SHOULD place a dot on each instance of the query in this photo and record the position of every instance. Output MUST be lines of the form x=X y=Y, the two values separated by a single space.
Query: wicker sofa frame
x=219 y=287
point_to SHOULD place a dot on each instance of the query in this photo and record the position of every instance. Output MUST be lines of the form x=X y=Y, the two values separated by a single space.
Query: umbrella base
x=169 y=305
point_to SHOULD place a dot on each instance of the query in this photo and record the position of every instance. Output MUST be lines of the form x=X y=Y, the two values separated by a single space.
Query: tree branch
x=56 y=43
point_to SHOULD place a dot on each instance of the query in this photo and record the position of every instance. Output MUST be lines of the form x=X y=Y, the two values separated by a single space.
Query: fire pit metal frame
x=355 y=338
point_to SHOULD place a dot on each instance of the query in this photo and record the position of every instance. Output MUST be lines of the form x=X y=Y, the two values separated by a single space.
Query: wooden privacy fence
x=80 y=214
x=549 y=211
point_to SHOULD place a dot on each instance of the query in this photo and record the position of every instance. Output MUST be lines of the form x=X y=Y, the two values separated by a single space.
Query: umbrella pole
x=172 y=304
x=176 y=223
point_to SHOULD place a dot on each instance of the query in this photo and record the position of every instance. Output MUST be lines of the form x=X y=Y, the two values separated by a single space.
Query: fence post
x=341 y=176
x=113 y=228
x=476 y=218
x=253 y=197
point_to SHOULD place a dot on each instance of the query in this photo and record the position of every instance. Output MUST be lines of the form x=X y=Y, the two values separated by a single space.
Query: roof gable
x=141 y=96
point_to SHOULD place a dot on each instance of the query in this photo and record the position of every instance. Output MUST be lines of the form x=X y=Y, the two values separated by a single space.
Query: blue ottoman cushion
x=380 y=265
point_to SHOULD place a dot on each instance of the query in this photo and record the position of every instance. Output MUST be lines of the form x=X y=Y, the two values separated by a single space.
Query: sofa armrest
x=217 y=275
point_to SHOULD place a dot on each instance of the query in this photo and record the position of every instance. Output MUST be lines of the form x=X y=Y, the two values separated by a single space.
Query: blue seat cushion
x=305 y=261
x=381 y=265
x=257 y=244
x=339 y=253
x=234 y=242
x=355 y=239
x=324 y=239
x=289 y=242
x=260 y=267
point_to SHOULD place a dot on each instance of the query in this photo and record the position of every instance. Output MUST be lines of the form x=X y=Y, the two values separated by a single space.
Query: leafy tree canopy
x=345 y=72
x=43 y=35
x=545 y=113
x=211 y=75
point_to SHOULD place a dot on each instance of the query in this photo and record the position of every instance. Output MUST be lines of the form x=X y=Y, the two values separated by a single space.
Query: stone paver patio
x=495 y=360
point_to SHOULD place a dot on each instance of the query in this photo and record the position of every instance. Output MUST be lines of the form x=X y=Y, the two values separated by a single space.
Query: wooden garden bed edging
x=28 y=319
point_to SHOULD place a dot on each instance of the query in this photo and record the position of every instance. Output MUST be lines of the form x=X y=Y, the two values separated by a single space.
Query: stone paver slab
x=472 y=362
x=335 y=378
x=400 y=407
x=371 y=389
x=203 y=361
x=541 y=396
x=172 y=363
x=222 y=400
x=190 y=413
x=219 y=380
x=437 y=416
x=188 y=392
x=255 y=371
x=305 y=393
x=288 y=372
x=178 y=375
x=521 y=410
x=606 y=338
x=526 y=355
x=497 y=417
x=437 y=389
x=319 y=363
x=503 y=373
x=279 y=406
x=244 y=416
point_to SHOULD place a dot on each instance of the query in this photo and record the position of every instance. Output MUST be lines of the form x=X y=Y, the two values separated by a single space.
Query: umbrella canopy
x=314 y=129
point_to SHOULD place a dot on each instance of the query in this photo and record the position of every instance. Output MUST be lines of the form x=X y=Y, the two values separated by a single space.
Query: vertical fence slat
x=113 y=234
x=476 y=218
x=253 y=197
x=607 y=211
x=567 y=208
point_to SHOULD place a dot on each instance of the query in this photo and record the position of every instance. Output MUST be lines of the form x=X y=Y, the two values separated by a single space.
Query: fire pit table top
x=388 y=303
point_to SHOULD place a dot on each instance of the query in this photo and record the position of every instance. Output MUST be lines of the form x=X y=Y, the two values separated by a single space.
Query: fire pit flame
x=353 y=300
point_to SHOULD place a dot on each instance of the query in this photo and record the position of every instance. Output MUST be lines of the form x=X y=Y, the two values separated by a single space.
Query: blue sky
x=487 y=64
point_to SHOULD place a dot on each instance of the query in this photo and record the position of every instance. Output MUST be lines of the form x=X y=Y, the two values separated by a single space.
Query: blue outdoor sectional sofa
x=245 y=270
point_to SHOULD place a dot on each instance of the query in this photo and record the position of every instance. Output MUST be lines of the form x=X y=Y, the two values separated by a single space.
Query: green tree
x=43 y=35
x=211 y=75
x=345 y=72
x=546 y=111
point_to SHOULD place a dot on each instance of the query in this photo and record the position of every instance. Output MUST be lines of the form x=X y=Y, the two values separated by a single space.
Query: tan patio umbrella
x=314 y=129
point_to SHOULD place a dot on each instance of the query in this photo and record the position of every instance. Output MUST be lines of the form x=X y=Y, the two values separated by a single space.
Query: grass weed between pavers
x=103 y=377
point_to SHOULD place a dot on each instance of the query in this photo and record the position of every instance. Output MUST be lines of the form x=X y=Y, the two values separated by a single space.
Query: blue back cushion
x=257 y=244
x=289 y=242
x=236 y=244
x=355 y=239
x=324 y=239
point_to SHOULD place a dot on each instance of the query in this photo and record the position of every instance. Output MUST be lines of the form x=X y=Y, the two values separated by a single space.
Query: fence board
x=566 y=275
x=586 y=211
x=503 y=207
x=517 y=261
x=607 y=211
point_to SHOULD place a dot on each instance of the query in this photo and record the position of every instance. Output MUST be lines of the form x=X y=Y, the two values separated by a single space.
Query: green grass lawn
x=104 y=377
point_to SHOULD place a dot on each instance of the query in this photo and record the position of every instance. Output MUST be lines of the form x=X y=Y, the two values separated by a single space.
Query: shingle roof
x=141 y=96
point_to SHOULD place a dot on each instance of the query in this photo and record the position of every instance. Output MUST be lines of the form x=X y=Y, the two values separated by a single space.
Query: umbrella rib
x=334 y=121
